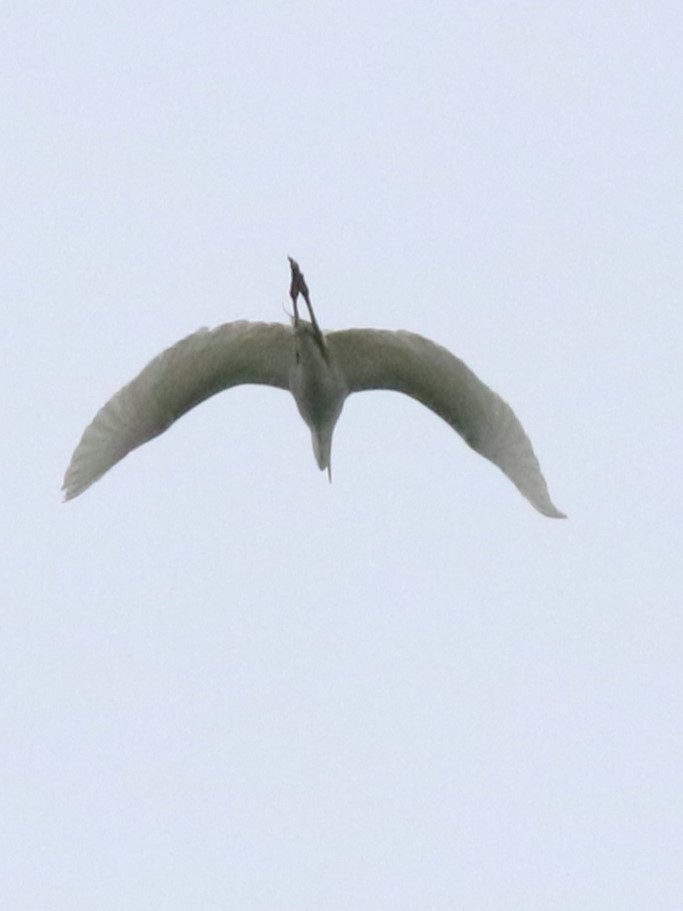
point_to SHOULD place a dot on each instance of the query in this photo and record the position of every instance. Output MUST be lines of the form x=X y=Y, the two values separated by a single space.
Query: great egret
x=320 y=370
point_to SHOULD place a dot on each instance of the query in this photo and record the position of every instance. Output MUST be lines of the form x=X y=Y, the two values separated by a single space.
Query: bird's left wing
x=199 y=366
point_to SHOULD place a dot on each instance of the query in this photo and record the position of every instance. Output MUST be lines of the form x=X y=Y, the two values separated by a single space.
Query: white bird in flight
x=320 y=370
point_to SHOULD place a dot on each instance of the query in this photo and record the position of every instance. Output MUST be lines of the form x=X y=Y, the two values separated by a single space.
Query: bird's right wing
x=199 y=366
x=409 y=363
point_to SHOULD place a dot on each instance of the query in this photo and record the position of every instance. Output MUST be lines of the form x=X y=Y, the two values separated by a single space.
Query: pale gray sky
x=225 y=683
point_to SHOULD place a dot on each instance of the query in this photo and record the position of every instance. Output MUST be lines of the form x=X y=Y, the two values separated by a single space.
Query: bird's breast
x=317 y=384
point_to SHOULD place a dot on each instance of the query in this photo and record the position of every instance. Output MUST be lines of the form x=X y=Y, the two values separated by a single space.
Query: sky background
x=226 y=683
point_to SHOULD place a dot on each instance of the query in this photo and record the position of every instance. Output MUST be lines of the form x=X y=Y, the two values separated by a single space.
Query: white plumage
x=320 y=370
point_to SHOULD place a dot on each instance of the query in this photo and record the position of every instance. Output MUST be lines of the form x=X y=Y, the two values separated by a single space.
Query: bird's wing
x=409 y=363
x=181 y=377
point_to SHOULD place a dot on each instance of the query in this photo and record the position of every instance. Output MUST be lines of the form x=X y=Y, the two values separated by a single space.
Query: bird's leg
x=299 y=287
x=296 y=287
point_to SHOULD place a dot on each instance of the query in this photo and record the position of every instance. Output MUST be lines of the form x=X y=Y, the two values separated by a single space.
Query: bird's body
x=319 y=389
x=320 y=370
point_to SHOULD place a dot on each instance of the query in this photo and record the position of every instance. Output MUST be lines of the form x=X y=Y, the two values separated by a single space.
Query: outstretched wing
x=181 y=377
x=409 y=363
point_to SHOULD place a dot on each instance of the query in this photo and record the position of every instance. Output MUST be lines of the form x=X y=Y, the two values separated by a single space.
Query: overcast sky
x=226 y=683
